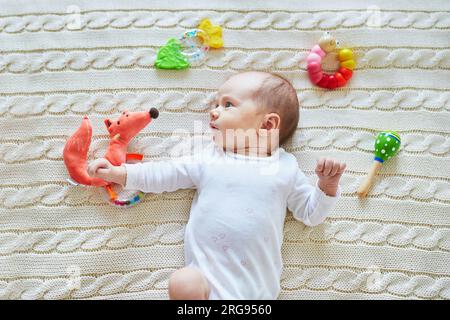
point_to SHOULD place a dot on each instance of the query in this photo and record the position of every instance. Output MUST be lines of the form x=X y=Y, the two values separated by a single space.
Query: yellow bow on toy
x=214 y=32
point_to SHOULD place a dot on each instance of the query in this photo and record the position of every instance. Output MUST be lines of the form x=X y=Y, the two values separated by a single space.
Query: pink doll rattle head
x=328 y=44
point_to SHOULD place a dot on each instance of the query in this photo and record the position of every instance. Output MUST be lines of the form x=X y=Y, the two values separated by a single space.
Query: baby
x=244 y=183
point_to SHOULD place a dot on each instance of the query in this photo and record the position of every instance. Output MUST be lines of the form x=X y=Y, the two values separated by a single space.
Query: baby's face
x=235 y=112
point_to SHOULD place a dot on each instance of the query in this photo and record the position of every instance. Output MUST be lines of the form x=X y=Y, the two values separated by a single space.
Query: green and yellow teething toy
x=387 y=145
x=191 y=48
x=171 y=57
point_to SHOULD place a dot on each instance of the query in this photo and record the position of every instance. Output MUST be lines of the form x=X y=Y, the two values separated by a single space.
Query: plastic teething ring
x=326 y=45
x=124 y=198
x=195 y=44
x=126 y=202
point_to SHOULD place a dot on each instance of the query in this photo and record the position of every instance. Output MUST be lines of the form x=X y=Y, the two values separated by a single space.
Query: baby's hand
x=329 y=172
x=103 y=169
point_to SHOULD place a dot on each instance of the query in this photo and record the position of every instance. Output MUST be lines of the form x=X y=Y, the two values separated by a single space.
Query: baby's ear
x=271 y=121
x=107 y=123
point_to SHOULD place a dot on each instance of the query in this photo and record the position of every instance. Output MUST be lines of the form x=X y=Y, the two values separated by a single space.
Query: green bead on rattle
x=387 y=145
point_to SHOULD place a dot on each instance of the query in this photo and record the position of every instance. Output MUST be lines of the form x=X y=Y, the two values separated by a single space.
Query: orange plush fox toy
x=121 y=132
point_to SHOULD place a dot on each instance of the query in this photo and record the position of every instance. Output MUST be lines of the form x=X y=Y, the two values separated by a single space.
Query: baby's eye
x=228 y=104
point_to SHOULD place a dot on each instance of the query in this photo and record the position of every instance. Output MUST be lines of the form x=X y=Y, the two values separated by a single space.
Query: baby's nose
x=214 y=114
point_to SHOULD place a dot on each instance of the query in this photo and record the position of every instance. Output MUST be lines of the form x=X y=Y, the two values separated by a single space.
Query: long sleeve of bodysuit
x=162 y=176
x=308 y=203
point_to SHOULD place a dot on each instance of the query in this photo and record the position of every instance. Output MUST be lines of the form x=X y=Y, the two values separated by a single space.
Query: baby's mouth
x=213 y=126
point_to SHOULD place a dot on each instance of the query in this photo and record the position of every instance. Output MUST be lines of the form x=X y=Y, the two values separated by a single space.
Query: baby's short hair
x=276 y=94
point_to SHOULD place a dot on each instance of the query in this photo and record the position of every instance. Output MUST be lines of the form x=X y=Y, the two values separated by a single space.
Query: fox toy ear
x=107 y=123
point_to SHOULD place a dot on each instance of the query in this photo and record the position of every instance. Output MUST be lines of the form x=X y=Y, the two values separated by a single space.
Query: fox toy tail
x=75 y=155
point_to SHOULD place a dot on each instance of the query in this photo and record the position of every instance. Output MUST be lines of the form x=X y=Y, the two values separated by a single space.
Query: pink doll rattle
x=328 y=44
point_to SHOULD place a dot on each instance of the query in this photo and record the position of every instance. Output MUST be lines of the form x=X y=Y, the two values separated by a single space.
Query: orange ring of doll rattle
x=326 y=45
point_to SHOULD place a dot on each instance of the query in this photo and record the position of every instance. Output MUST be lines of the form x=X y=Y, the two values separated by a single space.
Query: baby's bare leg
x=188 y=284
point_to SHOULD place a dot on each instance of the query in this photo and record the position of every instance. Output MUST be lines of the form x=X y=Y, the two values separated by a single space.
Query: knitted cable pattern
x=280 y=20
x=230 y=59
x=199 y=101
x=373 y=281
x=87 y=240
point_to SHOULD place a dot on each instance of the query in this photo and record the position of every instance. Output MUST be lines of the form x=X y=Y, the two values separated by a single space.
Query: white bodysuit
x=235 y=229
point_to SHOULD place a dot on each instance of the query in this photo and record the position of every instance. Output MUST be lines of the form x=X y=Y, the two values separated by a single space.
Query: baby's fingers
x=94 y=166
x=335 y=169
x=338 y=169
x=329 y=164
x=320 y=165
x=102 y=172
x=342 y=168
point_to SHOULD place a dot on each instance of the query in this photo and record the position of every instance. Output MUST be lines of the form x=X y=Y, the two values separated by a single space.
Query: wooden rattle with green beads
x=387 y=144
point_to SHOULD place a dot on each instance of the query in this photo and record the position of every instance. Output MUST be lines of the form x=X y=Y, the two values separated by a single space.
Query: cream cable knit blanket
x=62 y=59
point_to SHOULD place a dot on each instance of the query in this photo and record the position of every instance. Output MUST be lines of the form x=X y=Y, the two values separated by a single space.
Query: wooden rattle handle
x=367 y=184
